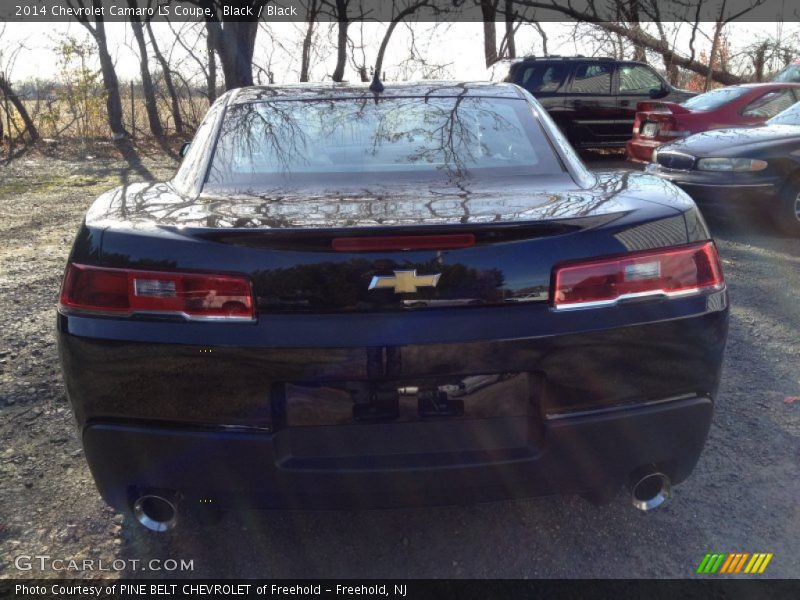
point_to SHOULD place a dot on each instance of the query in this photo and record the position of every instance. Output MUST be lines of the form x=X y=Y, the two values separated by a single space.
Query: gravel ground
x=743 y=495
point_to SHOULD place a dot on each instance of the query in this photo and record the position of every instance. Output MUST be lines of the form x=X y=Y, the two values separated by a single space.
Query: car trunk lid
x=348 y=249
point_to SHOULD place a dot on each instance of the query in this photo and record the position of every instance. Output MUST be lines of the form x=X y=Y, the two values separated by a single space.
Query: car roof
x=769 y=84
x=577 y=57
x=306 y=91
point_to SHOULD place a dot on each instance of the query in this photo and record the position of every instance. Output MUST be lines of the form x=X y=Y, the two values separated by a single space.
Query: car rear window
x=285 y=140
x=789 y=74
x=715 y=98
x=791 y=116
x=770 y=104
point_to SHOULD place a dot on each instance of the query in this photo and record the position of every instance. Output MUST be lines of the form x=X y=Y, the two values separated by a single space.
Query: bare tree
x=510 y=36
x=596 y=13
x=234 y=38
x=358 y=53
x=342 y=12
x=144 y=68
x=489 y=12
x=211 y=78
x=312 y=13
x=208 y=63
x=417 y=65
x=19 y=106
x=166 y=73
x=110 y=81
x=513 y=16
x=409 y=8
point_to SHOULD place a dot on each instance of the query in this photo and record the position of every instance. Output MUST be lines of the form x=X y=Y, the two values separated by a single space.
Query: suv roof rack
x=559 y=57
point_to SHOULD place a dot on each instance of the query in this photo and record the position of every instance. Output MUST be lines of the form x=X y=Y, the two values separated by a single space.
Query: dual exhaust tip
x=159 y=511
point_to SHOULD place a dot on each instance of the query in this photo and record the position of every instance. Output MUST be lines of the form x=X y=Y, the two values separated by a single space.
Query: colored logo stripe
x=758 y=563
x=734 y=562
x=710 y=563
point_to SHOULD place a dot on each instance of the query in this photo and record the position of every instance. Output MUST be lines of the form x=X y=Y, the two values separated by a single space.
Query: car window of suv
x=637 y=80
x=770 y=104
x=542 y=78
x=592 y=78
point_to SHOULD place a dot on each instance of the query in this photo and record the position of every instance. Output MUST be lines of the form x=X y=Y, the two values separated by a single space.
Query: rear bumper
x=640 y=150
x=159 y=409
x=389 y=465
x=723 y=190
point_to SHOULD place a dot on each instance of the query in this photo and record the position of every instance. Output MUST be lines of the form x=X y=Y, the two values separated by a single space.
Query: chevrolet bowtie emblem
x=404 y=281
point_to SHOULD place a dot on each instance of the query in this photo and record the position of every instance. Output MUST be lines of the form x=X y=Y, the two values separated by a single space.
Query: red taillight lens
x=670 y=128
x=128 y=291
x=668 y=272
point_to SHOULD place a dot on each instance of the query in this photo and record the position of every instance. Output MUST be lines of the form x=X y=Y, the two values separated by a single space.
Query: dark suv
x=593 y=100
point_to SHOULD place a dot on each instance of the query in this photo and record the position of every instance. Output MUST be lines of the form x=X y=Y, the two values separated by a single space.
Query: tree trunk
x=110 y=81
x=147 y=81
x=8 y=92
x=173 y=95
x=489 y=11
x=511 y=43
x=713 y=54
x=235 y=44
x=211 y=81
x=382 y=49
x=378 y=69
x=305 y=57
x=760 y=61
x=341 y=41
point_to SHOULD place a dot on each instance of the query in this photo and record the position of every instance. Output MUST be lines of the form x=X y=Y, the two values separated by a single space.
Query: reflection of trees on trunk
x=426 y=203
x=605 y=192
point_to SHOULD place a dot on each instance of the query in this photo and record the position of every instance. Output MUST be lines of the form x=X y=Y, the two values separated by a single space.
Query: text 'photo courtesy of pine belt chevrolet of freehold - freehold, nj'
x=400 y=298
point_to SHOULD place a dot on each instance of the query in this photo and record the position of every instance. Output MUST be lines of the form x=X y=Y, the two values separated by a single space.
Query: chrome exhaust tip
x=156 y=512
x=650 y=490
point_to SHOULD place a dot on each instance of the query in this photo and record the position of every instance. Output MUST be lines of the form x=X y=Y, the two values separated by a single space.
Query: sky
x=457 y=45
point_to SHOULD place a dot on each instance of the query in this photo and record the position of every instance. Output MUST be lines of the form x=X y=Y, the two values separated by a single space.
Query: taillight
x=668 y=272
x=671 y=128
x=126 y=292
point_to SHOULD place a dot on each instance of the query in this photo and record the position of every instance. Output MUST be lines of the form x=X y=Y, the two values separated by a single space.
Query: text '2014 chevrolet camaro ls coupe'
x=348 y=299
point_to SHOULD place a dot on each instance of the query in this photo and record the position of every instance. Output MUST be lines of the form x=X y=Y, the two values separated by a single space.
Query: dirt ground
x=743 y=496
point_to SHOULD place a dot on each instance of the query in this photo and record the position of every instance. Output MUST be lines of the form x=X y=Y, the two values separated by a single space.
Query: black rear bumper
x=721 y=190
x=398 y=464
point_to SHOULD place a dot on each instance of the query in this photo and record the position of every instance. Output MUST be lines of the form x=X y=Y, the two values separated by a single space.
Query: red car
x=750 y=104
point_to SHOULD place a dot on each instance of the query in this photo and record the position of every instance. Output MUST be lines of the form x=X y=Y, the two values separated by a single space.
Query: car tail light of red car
x=126 y=292
x=668 y=272
x=671 y=128
x=658 y=120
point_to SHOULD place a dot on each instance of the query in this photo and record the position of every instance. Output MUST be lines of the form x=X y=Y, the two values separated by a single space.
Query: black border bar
x=442 y=589
x=386 y=10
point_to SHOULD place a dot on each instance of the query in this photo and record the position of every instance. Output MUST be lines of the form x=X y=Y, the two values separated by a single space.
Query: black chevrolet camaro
x=756 y=169
x=353 y=299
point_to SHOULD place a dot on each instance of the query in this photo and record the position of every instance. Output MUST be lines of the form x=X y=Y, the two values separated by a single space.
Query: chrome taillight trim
x=650 y=294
